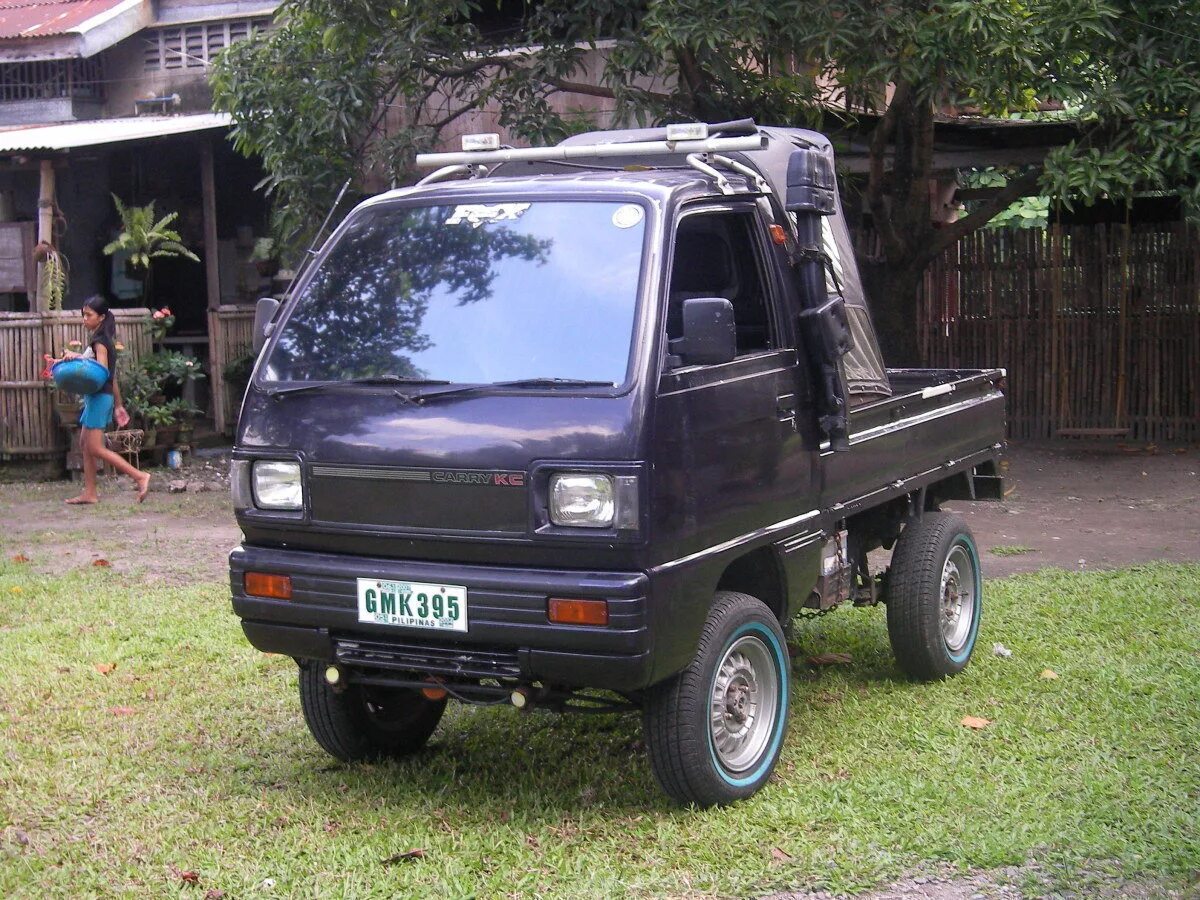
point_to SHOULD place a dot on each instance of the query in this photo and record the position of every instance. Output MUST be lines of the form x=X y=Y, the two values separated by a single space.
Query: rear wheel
x=364 y=722
x=934 y=597
x=714 y=731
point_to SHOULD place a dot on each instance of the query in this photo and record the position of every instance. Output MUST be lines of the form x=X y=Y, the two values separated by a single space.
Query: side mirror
x=264 y=312
x=709 y=336
x=811 y=183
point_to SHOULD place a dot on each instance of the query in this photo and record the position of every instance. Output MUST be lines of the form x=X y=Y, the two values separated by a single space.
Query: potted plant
x=144 y=237
x=263 y=256
x=186 y=415
x=159 y=423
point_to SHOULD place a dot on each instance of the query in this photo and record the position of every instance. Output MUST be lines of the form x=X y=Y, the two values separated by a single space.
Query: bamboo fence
x=1098 y=326
x=28 y=428
x=231 y=335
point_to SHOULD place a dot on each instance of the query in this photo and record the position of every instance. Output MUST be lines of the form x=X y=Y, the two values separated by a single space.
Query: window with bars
x=195 y=46
x=52 y=79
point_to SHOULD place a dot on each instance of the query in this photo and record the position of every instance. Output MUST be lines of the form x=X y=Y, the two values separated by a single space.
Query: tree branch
x=951 y=234
x=691 y=73
x=579 y=87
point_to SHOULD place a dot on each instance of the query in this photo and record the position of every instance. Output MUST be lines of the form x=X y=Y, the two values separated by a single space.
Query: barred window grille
x=195 y=46
x=54 y=79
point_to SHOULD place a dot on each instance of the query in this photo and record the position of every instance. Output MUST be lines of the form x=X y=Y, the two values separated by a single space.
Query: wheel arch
x=760 y=574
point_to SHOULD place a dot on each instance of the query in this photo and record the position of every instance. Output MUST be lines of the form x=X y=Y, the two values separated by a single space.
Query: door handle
x=785 y=409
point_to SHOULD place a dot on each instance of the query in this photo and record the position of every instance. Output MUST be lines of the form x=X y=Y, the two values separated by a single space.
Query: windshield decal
x=475 y=214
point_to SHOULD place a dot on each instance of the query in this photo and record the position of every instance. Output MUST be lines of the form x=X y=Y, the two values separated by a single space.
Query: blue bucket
x=79 y=376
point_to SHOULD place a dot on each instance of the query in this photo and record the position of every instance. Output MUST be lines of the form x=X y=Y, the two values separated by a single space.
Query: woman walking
x=98 y=408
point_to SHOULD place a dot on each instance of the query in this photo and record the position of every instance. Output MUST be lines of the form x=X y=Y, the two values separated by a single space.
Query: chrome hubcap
x=745 y=698
x=958 y=598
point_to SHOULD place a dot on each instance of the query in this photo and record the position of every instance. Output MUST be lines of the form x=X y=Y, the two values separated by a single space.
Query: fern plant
x=144 y=237
x=54 y=275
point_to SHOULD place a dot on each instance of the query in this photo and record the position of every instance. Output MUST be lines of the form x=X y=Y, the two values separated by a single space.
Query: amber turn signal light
x=778 y=235
x=261 y=584
x=577 y=612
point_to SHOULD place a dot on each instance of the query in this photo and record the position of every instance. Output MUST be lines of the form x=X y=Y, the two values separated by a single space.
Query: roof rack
x=577 y=151
x=690 y=141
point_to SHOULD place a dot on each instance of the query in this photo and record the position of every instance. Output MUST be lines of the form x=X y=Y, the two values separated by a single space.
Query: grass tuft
x=1011 y=550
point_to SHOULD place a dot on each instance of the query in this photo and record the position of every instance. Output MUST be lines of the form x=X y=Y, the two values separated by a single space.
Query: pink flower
x=159 y=314
x=166 y=310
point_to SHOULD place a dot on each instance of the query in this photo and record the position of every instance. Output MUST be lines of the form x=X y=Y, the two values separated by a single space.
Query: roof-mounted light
x=687 y=131
x=472 y=142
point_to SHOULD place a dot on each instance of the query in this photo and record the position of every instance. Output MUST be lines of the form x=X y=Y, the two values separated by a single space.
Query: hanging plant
x=142 y=238
x=55 y=274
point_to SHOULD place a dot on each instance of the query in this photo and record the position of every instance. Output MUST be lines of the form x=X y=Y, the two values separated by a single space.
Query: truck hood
x=374 y=427
x=373 y=459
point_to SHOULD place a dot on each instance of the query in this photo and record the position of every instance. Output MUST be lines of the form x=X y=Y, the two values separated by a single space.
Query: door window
x=718 y=255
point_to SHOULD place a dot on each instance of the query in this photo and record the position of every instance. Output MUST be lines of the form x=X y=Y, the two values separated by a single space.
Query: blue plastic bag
x=79 y=376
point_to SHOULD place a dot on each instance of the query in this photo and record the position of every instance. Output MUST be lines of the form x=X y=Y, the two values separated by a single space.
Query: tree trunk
x=893 y=293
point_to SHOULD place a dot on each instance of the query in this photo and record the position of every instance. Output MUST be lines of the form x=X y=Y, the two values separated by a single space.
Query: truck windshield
x=473 y=293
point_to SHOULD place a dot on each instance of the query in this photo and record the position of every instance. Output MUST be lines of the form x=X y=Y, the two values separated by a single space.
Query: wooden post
x=45 y=224
x=212 y=268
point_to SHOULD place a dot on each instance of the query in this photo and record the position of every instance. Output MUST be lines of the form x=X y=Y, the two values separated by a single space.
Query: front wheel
x=363 y=722
x=714 y=731
x=934 y=597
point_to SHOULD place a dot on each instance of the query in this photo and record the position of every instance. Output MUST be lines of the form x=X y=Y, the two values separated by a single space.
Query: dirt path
x=1074 y=509
x=1069 y=509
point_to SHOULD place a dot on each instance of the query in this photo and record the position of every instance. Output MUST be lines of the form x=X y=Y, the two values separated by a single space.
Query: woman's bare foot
x=143 y=483
x=82 y=500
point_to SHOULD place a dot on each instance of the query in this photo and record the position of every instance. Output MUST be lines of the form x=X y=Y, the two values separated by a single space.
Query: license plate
x=412 y=604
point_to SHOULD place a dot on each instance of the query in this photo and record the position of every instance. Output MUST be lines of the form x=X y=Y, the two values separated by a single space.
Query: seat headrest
x=703 y=265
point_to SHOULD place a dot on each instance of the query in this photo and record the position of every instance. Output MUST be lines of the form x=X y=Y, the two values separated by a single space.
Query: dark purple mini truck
x=586 y=427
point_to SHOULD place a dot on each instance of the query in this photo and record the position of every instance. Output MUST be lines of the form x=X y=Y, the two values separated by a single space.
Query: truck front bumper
x=509 y=633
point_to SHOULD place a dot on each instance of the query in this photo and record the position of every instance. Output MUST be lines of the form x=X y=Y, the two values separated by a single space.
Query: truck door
x=731 y=452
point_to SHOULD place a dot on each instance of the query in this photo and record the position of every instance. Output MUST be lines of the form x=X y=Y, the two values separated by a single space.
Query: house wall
x=128 y=81
x=125 y=61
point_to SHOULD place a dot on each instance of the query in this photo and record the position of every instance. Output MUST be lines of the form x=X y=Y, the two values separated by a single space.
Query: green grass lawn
x=191 y=756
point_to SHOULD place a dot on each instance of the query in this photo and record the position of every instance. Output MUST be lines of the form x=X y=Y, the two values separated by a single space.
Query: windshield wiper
x=370 y=379
x=519 y=383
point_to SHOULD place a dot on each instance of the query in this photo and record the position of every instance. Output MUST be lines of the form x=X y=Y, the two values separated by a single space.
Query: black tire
x=697 y=760
x=363 y=722
x=934 y=597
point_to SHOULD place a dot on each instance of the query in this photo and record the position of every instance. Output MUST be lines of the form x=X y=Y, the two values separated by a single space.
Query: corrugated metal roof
x=44 y=18
x=106 y=131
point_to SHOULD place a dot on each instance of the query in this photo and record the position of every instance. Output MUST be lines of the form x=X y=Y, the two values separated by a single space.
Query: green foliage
x=54 y=276
x=146 y=384
x=264 y=250
x=144 y=237
x=1026 y=212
